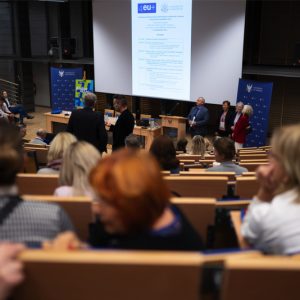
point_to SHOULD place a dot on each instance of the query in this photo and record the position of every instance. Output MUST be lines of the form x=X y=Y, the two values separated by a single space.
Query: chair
x=30 y=162
x=197 y=186
x=32 y=145
x=199 y=211
x=37 y=184
x=41 y=154
x=261 y=278
x=246 y=186
x=110 y=275
x=230 y=175
x=252 y=166
x=78 y=209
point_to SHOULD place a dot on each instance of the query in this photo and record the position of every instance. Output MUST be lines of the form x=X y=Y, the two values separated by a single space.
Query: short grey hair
x=248 y=110
x=90 y=99
x=41 y=132
x=132 y=142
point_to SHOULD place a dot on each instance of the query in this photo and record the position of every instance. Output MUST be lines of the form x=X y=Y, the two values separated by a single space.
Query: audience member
x=181 y=145
x=272 y=222
x=78 y=160
x=241 y=128
x=23 y=221
x=224 y=121
x=198 y=118
x=134 y=209
x=56 y=150
x=88 y=125
x=40 y=137
x=224 y=154
x=124 y=125
x=198 y=146
x=132 y=142
x=11 y=269
x=16 y=108
x=5 y=113
x=164 y=151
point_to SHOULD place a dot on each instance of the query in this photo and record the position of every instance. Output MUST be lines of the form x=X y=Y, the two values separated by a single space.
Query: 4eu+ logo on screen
x=146 y=8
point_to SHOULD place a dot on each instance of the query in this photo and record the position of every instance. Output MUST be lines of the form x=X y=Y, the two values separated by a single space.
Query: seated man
x=16 y=108
x=224 y=152
x=40 y=137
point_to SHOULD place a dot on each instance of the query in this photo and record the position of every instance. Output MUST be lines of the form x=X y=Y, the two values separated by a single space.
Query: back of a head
x=59 y=145
x=90 y=100
x=41 y=133
x=132 y=142
x=11 y=153
x=181 y=145
x=286 y=146
x=164 y=151
x=198 y=145
x=225 y=148
x=131 y=182
x=78 y=160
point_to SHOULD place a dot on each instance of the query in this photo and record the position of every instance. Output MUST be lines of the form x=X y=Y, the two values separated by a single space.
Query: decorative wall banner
x=81 y=88
x=258 y=95
x=63 y=87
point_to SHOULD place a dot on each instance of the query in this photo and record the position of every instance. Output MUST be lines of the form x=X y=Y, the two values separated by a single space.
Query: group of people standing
x=235 y=125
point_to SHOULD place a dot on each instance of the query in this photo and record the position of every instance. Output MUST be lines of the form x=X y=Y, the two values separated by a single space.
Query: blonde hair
x=198 y=145
x=59 y=145
x=286 y=144
x=78 y=160
x=248 y=110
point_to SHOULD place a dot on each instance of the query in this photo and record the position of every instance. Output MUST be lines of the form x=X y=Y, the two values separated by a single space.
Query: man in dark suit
x=88 y=125
x=124 y=125
x=198 y=118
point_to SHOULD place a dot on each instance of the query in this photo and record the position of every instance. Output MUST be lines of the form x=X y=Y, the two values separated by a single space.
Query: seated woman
x=164 y=151
x=78 y=160
x=272 y=222
x=181 y=145
x=56 y=150
x=198 y=146
x=133 y=207
x=23 y=221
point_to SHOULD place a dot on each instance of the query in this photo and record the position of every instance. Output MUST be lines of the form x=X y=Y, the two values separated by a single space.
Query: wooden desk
x=149 y=134
x=55 y=118
x=175 y=122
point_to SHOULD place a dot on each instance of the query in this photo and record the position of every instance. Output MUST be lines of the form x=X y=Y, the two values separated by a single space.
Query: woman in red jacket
x=241 y=127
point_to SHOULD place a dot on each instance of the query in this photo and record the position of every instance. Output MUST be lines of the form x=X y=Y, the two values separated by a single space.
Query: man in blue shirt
x=198 y=118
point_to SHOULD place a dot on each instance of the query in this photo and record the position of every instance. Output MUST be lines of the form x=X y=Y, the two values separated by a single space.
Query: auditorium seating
x=78 y=209
x=37 y=184
x=198 y=186
x=246 y=186
x=252 y=166
x=261 y=278
x=108 y=275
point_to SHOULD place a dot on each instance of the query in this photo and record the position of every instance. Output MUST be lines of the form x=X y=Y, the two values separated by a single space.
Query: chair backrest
x=251 y=156
x=199 y=211
x=229 y=175
x=32 y=145
x=261 y=278
x=246 y=186
x=37 y=184
x=78 y=209
x=110 y=275
x=198 y=186
x=30 y=162
x=41 y=154
x=252 y=166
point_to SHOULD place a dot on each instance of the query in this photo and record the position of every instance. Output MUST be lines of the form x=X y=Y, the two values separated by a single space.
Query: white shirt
x=274 y=227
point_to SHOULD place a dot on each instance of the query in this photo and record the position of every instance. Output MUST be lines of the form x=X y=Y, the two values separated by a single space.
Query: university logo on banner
x=63 y=87
x=81 y=88
x=258 y=95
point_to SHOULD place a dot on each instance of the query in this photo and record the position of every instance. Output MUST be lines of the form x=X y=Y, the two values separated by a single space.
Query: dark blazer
x=201 y=115
x=88 y=125
x=228 y=123
x=123 y=127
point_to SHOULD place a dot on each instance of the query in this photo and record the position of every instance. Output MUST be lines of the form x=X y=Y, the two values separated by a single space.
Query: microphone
x=193 y=121
x=173 y=109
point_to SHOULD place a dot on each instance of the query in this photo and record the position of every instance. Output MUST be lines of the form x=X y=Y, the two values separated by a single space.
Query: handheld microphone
x=193 y=121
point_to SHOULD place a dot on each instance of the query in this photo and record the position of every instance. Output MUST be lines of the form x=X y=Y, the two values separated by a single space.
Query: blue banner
x=258 y=95
x=63 y=87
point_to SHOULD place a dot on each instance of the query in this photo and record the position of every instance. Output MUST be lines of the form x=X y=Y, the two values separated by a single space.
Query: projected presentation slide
x=161 y=48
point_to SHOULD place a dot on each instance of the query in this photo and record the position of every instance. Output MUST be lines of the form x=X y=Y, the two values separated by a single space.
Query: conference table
x=149 y=133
